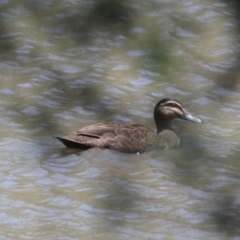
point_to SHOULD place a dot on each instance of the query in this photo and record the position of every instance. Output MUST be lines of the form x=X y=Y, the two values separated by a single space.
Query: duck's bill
x=189 y=117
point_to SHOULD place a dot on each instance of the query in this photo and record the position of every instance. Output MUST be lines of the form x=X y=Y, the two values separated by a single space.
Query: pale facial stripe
x=177 y=106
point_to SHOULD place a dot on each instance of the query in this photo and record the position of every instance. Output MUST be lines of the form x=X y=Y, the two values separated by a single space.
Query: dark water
x=68 y=64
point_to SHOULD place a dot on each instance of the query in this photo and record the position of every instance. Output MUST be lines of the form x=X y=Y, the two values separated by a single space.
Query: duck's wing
x=102 y=135
x=98 y=130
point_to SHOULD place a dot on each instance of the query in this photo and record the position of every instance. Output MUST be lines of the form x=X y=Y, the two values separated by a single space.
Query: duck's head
x=168 y=109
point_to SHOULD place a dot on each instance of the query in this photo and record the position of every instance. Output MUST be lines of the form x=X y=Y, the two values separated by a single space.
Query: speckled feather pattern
x=123 y=137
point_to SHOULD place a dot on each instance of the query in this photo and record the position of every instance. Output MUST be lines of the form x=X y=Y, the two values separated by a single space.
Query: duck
x=130 y=137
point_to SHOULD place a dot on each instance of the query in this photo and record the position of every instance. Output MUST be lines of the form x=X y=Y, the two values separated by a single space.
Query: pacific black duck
x=133 y=138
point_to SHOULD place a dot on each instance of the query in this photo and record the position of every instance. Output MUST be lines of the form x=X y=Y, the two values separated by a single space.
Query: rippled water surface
x=67 y=64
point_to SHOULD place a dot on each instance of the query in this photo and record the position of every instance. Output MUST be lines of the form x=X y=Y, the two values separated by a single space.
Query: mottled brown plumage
x=133 y=138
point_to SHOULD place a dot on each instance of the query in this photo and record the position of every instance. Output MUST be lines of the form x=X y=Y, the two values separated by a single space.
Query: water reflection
x=68 y=64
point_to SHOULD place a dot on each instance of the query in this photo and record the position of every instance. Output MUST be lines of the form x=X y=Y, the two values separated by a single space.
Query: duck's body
x=123 y=137
x=132 y=138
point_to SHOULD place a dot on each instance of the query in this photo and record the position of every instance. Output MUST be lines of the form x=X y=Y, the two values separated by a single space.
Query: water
x=65 y=65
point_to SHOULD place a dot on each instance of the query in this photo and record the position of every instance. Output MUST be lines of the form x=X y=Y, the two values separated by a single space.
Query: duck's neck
x=161 y=122
x=163 y=125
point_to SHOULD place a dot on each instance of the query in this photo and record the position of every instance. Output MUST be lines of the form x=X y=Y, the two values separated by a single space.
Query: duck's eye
x=172 y=105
